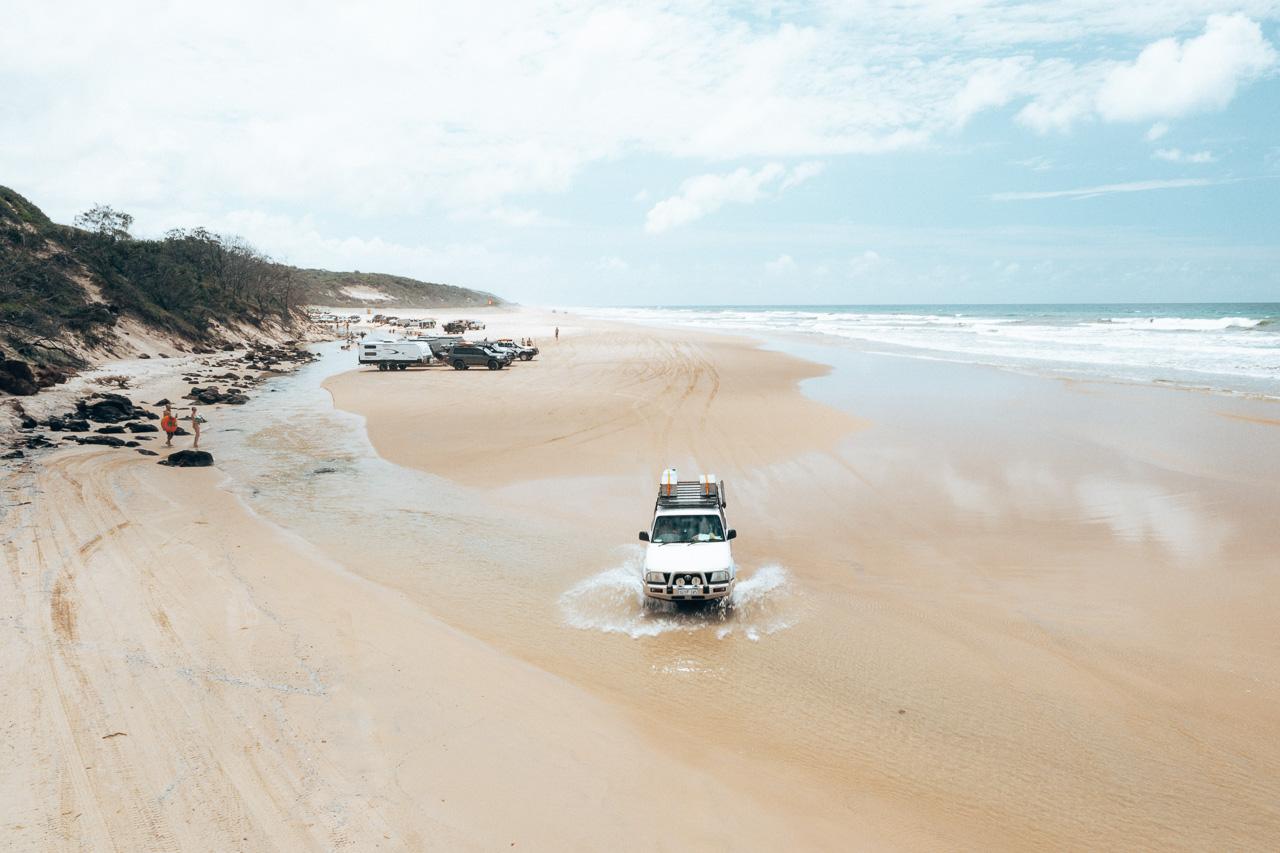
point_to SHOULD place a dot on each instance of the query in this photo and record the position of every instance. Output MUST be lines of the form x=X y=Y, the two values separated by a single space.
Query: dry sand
x=1041 y=620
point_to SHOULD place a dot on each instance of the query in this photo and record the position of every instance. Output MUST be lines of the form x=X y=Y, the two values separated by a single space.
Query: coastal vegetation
x=65 y=291
x=70 y=293
x=340 y=289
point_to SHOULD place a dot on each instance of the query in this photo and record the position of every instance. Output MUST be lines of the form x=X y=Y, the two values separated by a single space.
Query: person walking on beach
x=557 y=333
x=169 y=424
x=196 y=420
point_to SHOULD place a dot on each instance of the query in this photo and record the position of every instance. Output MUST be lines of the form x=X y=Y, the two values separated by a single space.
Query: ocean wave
x=1227 y=348
x=1183 y=324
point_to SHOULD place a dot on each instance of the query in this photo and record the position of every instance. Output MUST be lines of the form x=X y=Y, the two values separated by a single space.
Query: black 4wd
x=464 y=356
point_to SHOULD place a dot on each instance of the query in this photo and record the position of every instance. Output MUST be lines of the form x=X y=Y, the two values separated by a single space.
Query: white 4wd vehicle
x=688 y=557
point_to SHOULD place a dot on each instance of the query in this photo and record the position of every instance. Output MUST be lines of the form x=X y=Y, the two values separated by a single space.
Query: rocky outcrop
x=108 y=409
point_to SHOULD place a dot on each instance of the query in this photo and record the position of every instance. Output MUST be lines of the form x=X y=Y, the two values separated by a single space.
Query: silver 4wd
x=688 y=557
x=519 y=350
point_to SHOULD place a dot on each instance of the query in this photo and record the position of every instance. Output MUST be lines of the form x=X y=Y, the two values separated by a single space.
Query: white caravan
x=391 y=355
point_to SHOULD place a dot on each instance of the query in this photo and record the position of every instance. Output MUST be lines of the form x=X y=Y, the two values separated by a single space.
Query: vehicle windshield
x=687 y=528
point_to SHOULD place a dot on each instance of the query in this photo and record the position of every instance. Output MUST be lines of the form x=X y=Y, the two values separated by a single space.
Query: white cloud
x=1168 y=79
x=800 y=173
x=864 y=263
x=784 y=265
x=395 y=107
x=611 y=264
x=708 y=193
x=300 y=242
x=521 y=218
x=1038 y=163
x=1171 y=80
x=1175 y=155
x=1133 y=187
x=992 y=84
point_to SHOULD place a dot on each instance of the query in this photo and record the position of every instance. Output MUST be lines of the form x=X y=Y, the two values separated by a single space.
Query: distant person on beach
x=557 y=333
x=169 y=424
x=196 y=420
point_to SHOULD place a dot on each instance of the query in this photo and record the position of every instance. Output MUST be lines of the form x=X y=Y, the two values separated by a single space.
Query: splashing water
x=614 y=602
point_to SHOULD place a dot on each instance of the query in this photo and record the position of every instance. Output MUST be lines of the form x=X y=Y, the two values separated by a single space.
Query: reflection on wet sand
x=1011 y=616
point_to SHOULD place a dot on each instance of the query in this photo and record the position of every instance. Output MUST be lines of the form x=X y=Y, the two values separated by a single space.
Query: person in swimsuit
x=169 y=424
x=196 y=420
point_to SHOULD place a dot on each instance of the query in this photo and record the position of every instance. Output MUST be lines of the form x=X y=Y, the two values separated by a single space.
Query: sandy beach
x=978 y=610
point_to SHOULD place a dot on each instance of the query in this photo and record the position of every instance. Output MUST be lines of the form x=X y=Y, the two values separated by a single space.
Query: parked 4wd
x=519 y=350
x=464 y=356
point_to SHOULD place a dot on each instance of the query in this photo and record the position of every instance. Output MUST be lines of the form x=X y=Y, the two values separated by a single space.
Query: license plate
x=688 y=590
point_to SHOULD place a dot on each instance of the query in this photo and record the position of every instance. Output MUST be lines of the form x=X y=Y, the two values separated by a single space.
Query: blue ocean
x=1229 y=348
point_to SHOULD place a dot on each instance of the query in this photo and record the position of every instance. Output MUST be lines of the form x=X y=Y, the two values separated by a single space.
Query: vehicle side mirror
x=644 y=536
x=733 y=534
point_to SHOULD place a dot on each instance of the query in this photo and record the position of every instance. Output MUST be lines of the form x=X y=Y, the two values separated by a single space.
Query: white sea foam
x=1222 y=349
x=613 y=601
x=1184 y=324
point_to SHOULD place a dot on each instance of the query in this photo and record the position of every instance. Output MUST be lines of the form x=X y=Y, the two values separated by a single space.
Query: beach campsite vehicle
x=455 y=327
x=391 y=355
x=688 y=557
x=522 y=352
x=465 y=355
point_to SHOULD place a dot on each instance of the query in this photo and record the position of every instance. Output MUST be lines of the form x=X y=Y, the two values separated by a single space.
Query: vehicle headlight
x=655 y=577
x=719 y=577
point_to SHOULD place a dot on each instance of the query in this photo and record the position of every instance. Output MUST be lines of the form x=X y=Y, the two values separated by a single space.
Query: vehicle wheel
x=528 y=356
x=493 y=365
x=459 y=365
x=403 y=366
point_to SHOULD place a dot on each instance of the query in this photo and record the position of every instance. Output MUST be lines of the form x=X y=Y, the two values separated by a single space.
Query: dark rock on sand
x=110 y=409
x=189 y=459
x=146 y=452
x=109 y=440
x=134 y=426
x=113 y=429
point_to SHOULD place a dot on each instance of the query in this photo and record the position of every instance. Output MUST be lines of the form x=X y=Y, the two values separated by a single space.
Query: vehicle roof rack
x=706 y=491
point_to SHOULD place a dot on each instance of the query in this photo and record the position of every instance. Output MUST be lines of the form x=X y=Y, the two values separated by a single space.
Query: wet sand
x=978 y=611
x=1016 y=613
x=180 y=674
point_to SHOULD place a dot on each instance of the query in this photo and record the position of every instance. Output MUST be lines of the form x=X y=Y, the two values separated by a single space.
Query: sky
x=677 y=153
